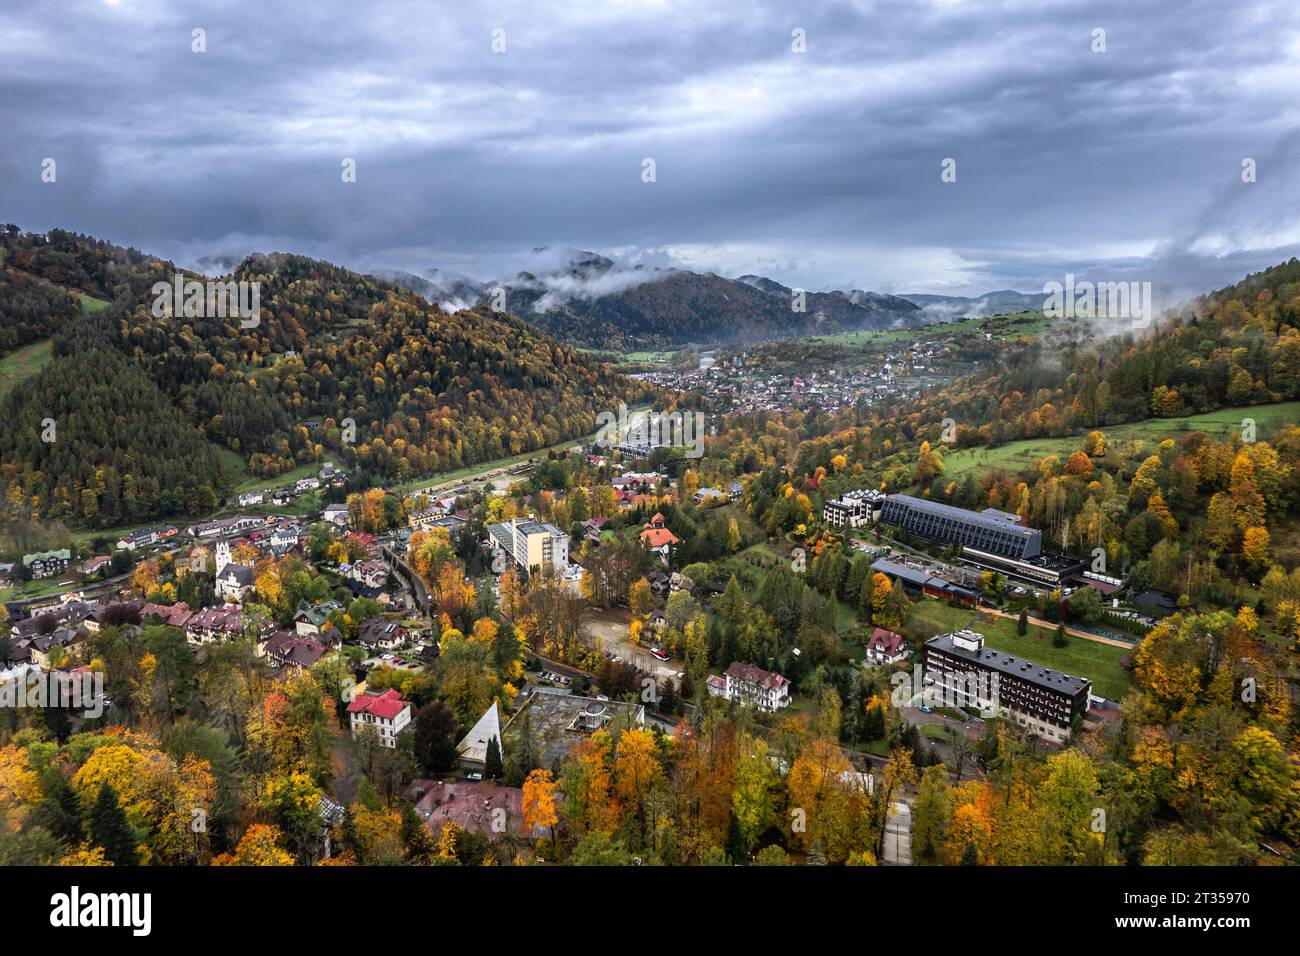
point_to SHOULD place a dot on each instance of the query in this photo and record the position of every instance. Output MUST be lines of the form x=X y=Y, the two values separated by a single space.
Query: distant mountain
x=449 y=290
x=160 y=416
x=949 y=308
x=587 y=299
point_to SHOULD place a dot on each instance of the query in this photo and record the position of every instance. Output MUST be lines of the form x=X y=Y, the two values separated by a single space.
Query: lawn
x=90 y=304
x=1083 y=658
x=23 y=363
x=1018 y=456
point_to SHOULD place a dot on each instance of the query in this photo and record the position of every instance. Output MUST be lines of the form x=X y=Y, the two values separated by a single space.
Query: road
x=898 y=835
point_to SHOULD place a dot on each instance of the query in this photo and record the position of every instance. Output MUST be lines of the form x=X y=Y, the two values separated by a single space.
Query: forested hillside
x=426 y=392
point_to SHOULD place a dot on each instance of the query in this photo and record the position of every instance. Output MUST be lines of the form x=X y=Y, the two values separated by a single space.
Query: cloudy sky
x=820 y=169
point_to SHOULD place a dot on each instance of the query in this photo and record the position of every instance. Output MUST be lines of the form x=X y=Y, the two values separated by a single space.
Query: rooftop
x=1017 y=667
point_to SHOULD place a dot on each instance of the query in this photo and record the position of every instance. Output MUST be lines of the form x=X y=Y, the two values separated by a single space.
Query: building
x=215 y=624
x=336 y=515
x=656 y=537
x=960 y=670
x=708 y=496
x=473 y=747
x=248 y=498
x=386 y=712
x=371 y=573
x=924 y=581
x=46 y=564
x=989 y=532
x=233 y=580
x=293 y=651
x=749 y=684
x=481 y=807
x=887 y=647
x=532 y=544
x=555 y=722
x=853 y=509
x=381 y=634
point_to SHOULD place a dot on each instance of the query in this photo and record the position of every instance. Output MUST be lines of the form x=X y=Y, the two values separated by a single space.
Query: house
x=286 y=536
x=657 y=620
x=68 y=642
x=306 y=484
x=311 y=618
x=173 y=615
x=285 y=649
x=336 y=515
x=656 y=537
x=378 y=633
x=481 y=807
x=591 y=529
x=373 y=574
x=887 y=647
x=387 y=713
x=250 y=498
x=46 y=564
x=748 y=684
x=473 y=747
x=708 y=496
x=215 y=624
x=93 y=565
x=132 y=540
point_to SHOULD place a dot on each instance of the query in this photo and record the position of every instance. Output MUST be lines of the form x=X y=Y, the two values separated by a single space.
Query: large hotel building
x=966 y=673
x=990 y=538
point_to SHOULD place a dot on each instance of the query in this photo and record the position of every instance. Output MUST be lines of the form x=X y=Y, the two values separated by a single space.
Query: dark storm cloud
x=820 y=169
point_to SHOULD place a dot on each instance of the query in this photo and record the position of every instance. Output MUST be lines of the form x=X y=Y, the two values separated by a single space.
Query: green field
x=90 y=304
x=23 y=363
x=1100 y=663
x=1021 y=455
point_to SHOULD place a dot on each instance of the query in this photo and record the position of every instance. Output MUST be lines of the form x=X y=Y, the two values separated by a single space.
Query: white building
x=748 y=684
x=386 y=712
x=854 y=509
x=532 y=544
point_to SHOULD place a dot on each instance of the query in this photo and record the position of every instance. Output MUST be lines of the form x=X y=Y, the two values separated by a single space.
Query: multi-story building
x=46 y=564
x=531 y=543
x=991 y=531
x=749 y=684
x=853 y=509
x=989 y=539
x=961 y=671
x=386 y=712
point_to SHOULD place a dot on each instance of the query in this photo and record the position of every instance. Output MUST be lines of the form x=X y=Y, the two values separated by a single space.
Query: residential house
x=336 y=515
x=223 y=623
x=284 y=649
x=381 y=634
x=656 y=537
x=748 y=684
x=371 y=573
x=887 y=647
x=387 y=713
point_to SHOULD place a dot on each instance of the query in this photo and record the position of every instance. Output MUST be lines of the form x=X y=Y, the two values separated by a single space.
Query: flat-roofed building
x=532 y=543
x=966 y=673
x=991 y=533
